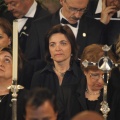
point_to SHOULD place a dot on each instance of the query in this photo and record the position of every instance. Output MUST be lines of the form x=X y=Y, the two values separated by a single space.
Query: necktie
x=64 y=21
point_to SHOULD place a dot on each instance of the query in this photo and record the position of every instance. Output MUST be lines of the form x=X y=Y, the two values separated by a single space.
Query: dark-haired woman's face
x=4 y=39
x=60 y=48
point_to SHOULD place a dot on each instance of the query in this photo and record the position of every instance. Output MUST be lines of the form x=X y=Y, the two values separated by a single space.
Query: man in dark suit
x=109 y=11
x=25 y=11
x=72 y=14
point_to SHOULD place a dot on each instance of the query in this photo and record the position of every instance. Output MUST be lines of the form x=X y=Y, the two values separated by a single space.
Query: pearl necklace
x=1 y=98
x=94 y=93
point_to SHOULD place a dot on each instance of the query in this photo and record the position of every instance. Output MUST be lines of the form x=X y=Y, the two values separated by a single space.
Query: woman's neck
x=92 y=94
x=62 y=67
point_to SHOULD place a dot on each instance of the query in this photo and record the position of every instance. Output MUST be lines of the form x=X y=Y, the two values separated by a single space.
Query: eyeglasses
x=75 y=10
x=96 y=76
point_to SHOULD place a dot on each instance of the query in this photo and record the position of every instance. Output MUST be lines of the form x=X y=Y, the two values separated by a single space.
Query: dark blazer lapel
x=82 y=34
x=81 y=94
x=24 y=33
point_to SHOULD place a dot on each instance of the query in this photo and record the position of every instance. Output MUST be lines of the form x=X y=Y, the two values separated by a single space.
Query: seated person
x=41 y=105
x=61 y=65
x=88 y=94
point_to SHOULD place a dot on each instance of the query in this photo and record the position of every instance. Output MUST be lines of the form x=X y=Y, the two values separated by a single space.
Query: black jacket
x=47 y=78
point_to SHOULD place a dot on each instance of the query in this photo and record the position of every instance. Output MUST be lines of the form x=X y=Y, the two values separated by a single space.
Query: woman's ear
x=85 y=73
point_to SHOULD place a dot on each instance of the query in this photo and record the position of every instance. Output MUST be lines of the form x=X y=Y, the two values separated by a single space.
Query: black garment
x=6 y=106
x=35 y=48
x=47 y=78
x=71 y=100
x=25 y=74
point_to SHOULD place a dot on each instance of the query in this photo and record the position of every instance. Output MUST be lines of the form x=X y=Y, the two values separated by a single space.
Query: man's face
x=114 y=3
x=73 y=9
x=17 y=7
x=44 y=112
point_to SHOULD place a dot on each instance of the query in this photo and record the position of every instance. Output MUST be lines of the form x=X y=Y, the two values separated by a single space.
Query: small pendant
x=62 y=74
x=0 y=101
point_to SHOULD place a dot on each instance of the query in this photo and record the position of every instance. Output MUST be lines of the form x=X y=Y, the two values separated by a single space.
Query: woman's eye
x=7 y=61
x=63 y=43
x=52 y=45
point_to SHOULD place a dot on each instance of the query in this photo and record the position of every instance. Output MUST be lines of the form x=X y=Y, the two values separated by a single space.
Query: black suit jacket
x=36 y=46
x=40 y=12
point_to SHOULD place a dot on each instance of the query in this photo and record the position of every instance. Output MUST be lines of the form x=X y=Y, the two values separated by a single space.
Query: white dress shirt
x=75 y=30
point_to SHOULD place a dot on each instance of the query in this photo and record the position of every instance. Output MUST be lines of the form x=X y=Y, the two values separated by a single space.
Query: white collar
x=61 y=16
x=99 y=8
x=32 y=10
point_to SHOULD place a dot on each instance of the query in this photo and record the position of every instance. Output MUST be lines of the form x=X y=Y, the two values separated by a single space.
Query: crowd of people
x=59 y=59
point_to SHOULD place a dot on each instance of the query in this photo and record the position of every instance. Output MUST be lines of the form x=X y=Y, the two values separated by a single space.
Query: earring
x=71 y=54
x=51 y=57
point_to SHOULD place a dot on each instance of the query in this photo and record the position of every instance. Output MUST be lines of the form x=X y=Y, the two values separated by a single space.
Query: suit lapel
x=82 y=34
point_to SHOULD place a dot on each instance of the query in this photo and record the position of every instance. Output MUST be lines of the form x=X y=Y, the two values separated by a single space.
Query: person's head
x=60 y=44
x=93 y=53
x=88 y=115
x=73 y=9
x=5 y=33
x=6 y=64
x=41 y=105
x=19 y=8
x=113 y=3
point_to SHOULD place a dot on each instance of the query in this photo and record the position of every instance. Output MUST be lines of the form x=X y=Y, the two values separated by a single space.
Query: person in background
x=41 y=105
x=71 y=13
x=88 y=115
x=25 y=11
x=61 y=68
x=108 y=11
x=5 y=82
x=88 y=94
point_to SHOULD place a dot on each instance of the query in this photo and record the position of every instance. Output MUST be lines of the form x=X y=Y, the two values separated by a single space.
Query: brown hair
x=6 y=27
x=93 y=53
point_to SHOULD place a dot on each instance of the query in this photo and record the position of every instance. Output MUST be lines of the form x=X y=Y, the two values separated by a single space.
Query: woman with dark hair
x=5 y=82
x=61 y=53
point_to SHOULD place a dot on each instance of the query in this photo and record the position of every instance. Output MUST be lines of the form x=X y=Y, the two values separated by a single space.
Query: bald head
x=88 y=115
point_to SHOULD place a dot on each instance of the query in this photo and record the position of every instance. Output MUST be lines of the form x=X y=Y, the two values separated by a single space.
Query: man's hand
x=107 y=12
